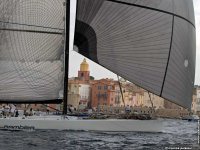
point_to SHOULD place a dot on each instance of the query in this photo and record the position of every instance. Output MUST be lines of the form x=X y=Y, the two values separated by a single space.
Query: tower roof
x=84 y=66
x=84 y=62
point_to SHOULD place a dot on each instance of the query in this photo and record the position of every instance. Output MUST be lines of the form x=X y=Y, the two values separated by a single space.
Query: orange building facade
x=103 y=93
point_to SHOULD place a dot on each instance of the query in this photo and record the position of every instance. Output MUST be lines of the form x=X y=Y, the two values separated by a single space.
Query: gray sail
x=31 y=50
x=148 y=42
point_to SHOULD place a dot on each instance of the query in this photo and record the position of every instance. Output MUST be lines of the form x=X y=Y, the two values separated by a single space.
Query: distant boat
x=191 y=118
x=149 y=43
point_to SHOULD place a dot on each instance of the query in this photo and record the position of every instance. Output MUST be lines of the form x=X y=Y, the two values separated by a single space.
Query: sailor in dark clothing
x=16 y=113
x=127 y=109
x=70 y=110
x=3 y=111
x=47 y=112
x=31 y=112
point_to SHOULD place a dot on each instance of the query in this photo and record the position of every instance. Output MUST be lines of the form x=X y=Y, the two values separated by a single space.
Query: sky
x=99 y=72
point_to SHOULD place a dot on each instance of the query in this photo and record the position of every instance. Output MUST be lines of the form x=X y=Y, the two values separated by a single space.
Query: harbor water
x=178 y=134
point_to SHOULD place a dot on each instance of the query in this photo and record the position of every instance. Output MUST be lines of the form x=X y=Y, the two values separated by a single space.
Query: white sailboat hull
x=111 y=125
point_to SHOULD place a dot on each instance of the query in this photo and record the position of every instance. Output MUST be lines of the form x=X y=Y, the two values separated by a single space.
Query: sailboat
x=154 y=41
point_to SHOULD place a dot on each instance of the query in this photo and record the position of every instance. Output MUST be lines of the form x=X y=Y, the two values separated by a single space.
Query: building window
x=99 y=95
x=82 y=74
x=105 y=87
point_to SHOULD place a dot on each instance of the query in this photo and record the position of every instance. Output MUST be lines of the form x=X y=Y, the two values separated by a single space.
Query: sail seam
x=21 y=24
x=163 y=11
x=168 y=57
x=51 y=101
x=34 y=31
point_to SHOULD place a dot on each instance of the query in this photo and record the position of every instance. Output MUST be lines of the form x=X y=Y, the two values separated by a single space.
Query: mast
x=66 y=60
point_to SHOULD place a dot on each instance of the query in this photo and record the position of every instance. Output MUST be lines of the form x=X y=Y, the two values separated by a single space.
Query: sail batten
x=141 y=42
x=30 y=25
x=33 y=31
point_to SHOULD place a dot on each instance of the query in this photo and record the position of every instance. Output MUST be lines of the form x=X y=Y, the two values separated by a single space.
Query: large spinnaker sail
x=31 y=50
x=149 y=42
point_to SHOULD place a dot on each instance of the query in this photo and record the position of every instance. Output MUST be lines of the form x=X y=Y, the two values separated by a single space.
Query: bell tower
x=84 y=73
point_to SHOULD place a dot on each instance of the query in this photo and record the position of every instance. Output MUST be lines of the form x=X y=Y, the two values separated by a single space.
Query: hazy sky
x=99 y=72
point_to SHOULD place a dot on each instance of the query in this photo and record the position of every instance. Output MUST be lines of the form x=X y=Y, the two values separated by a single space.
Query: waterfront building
x=196 y=100
x=198 y=92
x=79 y=90
x=132 y=94
x=103 y=93
x=194 y=103
x=138 y=99
x=73 y=93
x=119 y=101
x=136 y=95
x=78 y=94
x=84 y=93
x=158 y=102
x=170 y=105
x=118 y=96
x=106 y=92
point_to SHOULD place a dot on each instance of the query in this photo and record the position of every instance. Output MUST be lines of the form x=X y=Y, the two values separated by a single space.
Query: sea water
x=178 y=134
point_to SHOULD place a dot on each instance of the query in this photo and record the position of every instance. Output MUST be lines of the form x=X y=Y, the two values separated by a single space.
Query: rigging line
x=168 y=57
x=51 y=107
x=22 y=24
x=151 y=103
x=32 y=31
x=29 y=105
x=120 y=86
x=155 y=9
